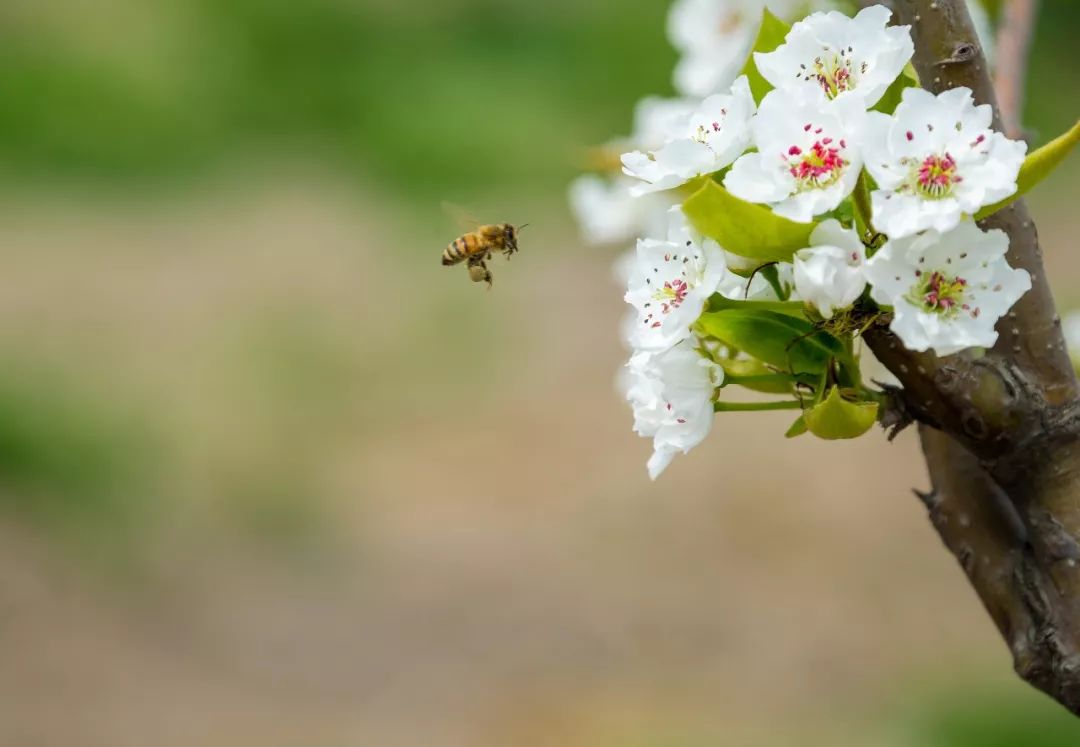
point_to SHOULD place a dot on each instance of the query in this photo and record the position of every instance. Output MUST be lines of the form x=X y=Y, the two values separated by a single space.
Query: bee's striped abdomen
x=459 y=249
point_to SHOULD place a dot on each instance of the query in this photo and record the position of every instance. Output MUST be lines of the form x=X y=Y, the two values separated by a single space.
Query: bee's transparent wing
x=462 y=217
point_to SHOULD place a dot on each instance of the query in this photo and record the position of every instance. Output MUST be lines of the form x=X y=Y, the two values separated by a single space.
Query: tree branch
x=980 y=527
x=1010 y=68
x=1015 y=411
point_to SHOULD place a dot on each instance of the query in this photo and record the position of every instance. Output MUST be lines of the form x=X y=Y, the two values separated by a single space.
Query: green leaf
x=894 y=94
x=1037 y=166
x=836 y=418
x=788 y=344
x=797 y=428
x=796 y=309
x=745 y=228
x=770 y=36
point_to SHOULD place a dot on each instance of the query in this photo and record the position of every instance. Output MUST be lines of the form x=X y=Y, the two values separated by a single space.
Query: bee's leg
x=478 y=270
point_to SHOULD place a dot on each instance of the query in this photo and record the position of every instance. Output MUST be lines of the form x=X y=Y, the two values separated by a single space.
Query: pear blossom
x=714 y=38
x=706 y=140
x=607 y=213
x=670 y=283
x=808 y=157
x=935 y=160
x=672 y=396
x=947 y=290
x=834 y=56
x=829 y=274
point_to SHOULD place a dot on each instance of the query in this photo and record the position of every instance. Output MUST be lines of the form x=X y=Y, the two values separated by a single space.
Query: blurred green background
x=270 y=475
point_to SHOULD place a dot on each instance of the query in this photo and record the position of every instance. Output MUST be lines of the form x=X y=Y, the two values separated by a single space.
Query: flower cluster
x=803 y=189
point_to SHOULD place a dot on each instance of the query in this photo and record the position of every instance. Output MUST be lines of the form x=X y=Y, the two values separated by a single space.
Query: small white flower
x=607 y=213
x=714 y=37
x=947 y=290
x=838 y=57
x=672 y=397
x=706 y=140
x=808 y=159
x=829 y=274
x=936 y=159
x=671 y=283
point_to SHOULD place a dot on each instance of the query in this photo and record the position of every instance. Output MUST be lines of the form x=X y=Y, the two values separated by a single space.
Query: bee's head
x=511 y=234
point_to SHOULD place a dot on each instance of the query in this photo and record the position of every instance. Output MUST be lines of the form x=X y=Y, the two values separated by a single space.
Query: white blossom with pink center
x=833 y=56
x=808 y=157
x=707 y=140
x=947 y=290
x=935 y=160
x=670 y=283
x=672 y=396
x=829 y=273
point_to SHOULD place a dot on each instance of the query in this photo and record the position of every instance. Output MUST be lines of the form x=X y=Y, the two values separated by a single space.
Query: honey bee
x=475 y=248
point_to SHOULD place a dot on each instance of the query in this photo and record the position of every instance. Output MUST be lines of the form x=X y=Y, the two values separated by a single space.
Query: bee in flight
x=475 y=248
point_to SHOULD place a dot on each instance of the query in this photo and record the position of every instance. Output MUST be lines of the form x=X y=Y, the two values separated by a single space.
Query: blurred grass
x=971 y=716
x=422 y=99
x=67 y=458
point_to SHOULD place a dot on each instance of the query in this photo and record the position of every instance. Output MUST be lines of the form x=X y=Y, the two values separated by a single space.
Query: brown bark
x=981 y=528
x=1001 y=432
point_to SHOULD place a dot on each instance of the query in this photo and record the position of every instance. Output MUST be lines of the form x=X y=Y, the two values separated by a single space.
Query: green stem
x=776 y=378
x=754 y=406
x=872 y=395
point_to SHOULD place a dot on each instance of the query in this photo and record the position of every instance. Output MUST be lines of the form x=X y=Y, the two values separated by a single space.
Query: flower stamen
x=936 y=176
x=672 y=294
x=821 y=166
x=834 y=72
x=941 y=294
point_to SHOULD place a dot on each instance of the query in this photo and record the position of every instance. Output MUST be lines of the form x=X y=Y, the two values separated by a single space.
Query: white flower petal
x=607 y=213
x=936 y=160
x=808 y=157
x=671 y=282
x=832 y=56
x=715 y=37
x=829 y=274
x=947 y=290
x=671 y=394
x=707 y=139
